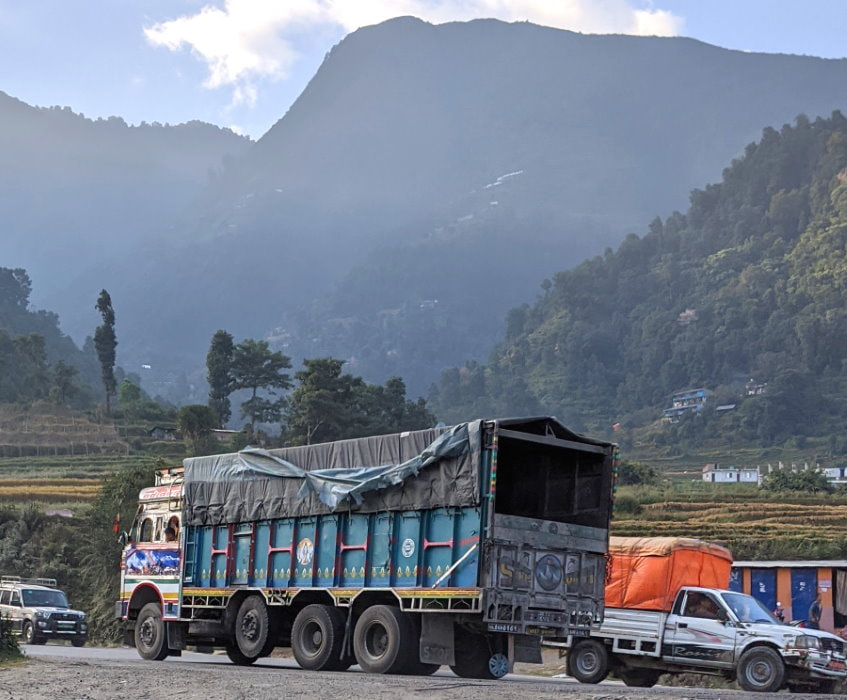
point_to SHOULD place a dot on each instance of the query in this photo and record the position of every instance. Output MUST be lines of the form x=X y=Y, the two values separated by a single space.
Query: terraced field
x=753 y=524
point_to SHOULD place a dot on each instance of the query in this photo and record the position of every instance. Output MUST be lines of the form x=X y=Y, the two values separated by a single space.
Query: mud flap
x=526 y=648
x=176 y=638
x=437 y=644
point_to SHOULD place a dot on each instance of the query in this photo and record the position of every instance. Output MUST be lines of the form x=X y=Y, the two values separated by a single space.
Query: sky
x=242 y=63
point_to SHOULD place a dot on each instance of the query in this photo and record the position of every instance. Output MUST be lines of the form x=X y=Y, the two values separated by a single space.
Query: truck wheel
x=384 y=640
x=588 y=661
x=317 y=638
x=28 y=633
x=150 y=633
x=234 y=654
x=761 y=669
x=475 y=657
x=639 y=677
x=252 y=627
x=78 y=643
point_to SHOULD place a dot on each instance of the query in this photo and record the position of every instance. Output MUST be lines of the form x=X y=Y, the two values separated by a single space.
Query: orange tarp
x=647 y=572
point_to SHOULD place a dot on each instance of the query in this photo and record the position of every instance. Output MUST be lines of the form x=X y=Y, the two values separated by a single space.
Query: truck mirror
x=124 y=539
x=722 y=616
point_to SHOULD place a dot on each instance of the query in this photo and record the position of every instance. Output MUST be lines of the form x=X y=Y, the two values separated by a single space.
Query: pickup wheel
x=252 y=627
x=761 y=669
x=150 y=633
x=317 y=638
x=78 y=643
x=588 y=661
x=384 y=640
x=639 y=677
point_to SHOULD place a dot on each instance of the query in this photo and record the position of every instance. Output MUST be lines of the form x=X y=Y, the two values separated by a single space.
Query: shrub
x=9 y=648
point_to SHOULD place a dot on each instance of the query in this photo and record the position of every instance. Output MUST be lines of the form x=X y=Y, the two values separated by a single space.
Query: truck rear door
x=698 y=631
x=548 y=533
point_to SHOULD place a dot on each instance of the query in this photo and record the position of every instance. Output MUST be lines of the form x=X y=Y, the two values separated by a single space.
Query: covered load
x=646 y=572
x=418 y=470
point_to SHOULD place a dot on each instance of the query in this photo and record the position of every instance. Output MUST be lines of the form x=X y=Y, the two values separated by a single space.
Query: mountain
x=74 y=190
x=743 y=295
x=428 y=178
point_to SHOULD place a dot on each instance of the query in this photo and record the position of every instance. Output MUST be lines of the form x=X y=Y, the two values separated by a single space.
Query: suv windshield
x=748 y=609
x=36 y=598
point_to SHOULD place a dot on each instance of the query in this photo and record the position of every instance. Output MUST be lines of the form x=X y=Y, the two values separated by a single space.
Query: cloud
x=246 y=42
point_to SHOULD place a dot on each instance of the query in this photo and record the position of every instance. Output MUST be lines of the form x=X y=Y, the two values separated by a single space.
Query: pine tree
x=105 y=342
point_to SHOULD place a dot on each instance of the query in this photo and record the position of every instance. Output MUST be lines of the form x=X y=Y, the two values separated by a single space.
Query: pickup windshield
x=34 y=598
x=748 y=609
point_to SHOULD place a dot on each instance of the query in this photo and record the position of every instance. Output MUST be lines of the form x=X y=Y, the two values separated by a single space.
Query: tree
x=328 y=405
x=636 y=473
x=320 y=408
x=807 y=481
x=219 y=375
x=63 y=381
x=196 y=421
x=255 y=366
x=105 y=343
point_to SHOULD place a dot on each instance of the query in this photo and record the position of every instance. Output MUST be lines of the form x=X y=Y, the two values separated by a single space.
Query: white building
x=716 y=474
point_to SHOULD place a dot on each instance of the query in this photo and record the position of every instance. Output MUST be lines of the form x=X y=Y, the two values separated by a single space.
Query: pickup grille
x=835 y=645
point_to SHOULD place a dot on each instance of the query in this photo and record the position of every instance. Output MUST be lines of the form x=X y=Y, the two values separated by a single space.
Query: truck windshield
x=748 y=609
x=35 y=598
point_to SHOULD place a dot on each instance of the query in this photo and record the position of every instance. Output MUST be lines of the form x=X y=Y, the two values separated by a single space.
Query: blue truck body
x=501 y=527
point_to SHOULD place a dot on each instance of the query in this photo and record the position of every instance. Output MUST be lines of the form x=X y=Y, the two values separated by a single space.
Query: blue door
x=736 y=581
x=763 y=585
x=804 y=585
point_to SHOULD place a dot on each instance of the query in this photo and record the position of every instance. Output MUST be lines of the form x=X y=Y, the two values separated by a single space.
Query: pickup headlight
x=42 y=615
x=807 y=641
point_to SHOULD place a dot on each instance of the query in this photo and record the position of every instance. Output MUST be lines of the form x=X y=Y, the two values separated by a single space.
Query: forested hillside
x=38 y=361
x=748 y=284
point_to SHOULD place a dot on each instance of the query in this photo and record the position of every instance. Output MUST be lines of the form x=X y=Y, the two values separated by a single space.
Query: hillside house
x=163 y=432
x=716 y=474
x=690 y=400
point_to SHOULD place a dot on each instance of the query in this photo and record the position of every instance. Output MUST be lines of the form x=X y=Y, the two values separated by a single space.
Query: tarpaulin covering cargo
x=371 y=474
x=647 y=572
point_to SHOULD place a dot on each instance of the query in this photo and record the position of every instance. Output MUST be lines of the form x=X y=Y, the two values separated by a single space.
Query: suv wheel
x=29 y=633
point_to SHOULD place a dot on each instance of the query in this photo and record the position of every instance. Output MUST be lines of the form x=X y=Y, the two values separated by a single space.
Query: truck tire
x=317 y=638
x=78 y=643
x=588 y=661
x=150 y=633
x=28 y=633
x=384 y=640
x=475 y=657
x=639 y=677
x=234 y=654
x=252 y=627
x=761 y=669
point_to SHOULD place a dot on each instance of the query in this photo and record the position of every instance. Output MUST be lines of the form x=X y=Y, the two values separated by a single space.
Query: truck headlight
x=807 y=641
x=42 y=615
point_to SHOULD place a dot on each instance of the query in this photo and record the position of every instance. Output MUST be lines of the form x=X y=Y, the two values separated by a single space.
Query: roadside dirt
x=48 y=678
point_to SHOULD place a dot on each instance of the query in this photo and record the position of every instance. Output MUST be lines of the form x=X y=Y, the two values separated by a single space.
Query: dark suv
x=39 y=611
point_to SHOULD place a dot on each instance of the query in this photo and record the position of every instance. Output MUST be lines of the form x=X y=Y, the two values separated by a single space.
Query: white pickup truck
x=708 y=631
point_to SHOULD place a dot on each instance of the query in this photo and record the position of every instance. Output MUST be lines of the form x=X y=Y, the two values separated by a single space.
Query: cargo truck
x=668 y=611
x=456 y=546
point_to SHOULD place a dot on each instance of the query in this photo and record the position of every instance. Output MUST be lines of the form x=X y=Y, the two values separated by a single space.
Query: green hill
x=748 y=284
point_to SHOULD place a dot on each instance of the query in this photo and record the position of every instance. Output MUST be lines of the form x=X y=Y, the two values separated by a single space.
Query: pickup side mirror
x=722 y=615
x=124 y=539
